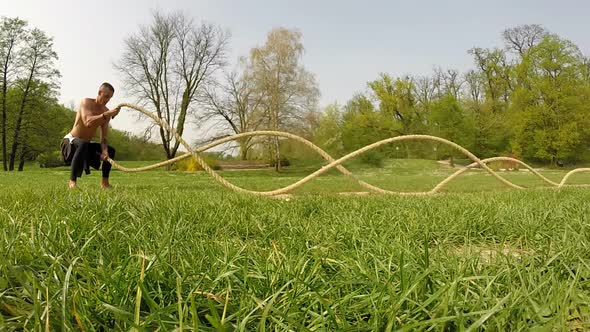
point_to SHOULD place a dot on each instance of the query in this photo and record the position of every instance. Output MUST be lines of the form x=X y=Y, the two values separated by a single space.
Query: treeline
x=529 y=99
x=32 y=121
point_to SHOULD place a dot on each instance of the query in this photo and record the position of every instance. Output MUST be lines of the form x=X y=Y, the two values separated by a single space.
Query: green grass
x=147 y=254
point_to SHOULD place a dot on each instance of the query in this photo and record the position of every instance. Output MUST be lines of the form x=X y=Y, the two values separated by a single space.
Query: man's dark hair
x=108 y=86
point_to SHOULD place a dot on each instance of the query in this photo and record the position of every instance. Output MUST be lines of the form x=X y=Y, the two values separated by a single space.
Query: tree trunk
x=243 y=149
x=4 y=90
x=19 y=120
x=17 y=128
x=276 y=142
x=277 y=155
x=168 y=156
x=180 y=123
x=4 y=161
x=21 y=164
x=14 y=147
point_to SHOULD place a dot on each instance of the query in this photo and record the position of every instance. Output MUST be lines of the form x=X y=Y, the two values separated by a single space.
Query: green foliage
x=397 y=103
x=534 y=106
x=43 y=125
x=50 y=159
x=131 y=147
x=328 y=135
x=493 y=131
x=291 y=150
x=449 y=120
x=284 y=160
x=497 y=74
x=551 y=104
x=363 y=125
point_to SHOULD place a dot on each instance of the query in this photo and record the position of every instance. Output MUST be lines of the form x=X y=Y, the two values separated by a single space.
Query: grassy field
x=172 y=250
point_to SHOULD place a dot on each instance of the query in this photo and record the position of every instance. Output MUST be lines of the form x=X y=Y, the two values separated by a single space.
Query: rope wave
x=333 y=163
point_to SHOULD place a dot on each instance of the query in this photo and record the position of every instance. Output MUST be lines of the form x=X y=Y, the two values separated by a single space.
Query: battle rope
x=332 y=163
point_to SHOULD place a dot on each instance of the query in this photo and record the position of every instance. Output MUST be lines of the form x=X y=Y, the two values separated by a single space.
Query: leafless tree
x=424 y=91
x=168 y=64
x=521 y=38
x=452 y=82
x=235 y=106
x=474 y=86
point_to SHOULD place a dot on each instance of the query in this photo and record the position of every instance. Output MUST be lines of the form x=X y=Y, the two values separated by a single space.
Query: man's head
x=105 y=93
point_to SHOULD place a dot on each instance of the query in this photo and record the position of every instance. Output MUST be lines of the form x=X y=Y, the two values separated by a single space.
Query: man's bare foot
x=72 y=185
x=104 y=184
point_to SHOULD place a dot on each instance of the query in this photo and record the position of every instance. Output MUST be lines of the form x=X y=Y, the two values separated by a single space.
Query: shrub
x=191 y=165
x=284 y=161
x=50 y=159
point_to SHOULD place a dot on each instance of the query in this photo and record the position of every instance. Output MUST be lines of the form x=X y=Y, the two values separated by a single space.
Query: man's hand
x=114 y=112
x=104 y=155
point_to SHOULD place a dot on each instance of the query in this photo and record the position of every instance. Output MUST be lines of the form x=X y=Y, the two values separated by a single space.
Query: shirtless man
x=77 y=147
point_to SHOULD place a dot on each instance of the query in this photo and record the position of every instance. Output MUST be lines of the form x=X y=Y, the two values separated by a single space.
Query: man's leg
x=78 y=159
x=106 y=168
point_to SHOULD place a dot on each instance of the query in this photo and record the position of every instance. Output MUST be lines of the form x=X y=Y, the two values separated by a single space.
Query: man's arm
x=90 y=120
x=104 y=129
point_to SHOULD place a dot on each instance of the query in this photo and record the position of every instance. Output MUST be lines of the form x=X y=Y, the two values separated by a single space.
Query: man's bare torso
x=80 y=130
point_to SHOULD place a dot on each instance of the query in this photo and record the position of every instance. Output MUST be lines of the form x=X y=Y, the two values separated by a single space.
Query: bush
x=284 y=161
x=50 y=159
x=372 y=158
x=191 y=165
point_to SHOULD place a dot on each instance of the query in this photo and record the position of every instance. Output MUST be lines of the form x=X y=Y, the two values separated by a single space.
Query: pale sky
x=348 y=43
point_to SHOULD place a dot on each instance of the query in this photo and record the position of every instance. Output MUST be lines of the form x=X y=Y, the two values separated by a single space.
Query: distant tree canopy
x=529 y=99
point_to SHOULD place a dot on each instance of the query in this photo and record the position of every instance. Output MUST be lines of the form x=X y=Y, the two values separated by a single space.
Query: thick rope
x=332 y=163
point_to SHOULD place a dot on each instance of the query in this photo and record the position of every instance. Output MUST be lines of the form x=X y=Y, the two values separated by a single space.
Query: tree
x=235 y=106
x=424 y=90
x=488 y=121
x=523 y=37
x=289 y=90
x=328 y=135
x=474 y=87
x=37 y=134
x=362 y=124
x=398 y=103
x=43 y=125
x=493 y=65
x=586 y=69
x=448 y=120
x=11 y=36
x=552 y=108
x=452 y=83
x=167 y=65
x=496 y=77
x=38 y=66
